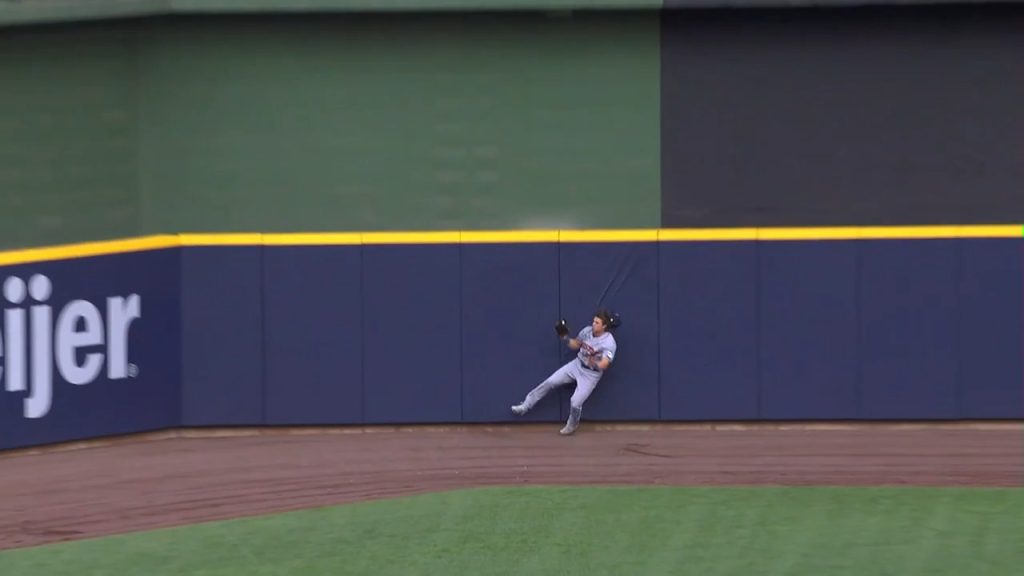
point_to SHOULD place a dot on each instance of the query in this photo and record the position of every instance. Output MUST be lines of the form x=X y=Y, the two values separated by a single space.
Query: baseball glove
x=561 y=328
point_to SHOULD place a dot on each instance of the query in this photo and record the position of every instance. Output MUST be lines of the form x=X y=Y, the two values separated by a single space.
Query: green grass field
x=586 y=532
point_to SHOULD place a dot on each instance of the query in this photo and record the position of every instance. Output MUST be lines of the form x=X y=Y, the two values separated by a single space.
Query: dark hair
x=610 y=319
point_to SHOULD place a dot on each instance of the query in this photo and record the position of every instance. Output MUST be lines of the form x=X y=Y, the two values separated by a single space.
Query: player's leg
x=585 y=385
x=560 y=377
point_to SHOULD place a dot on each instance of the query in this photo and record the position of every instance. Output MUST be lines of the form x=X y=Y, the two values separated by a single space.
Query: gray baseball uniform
x=582 y=369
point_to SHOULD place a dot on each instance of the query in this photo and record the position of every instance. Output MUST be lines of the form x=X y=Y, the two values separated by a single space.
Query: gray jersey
x=594 y=348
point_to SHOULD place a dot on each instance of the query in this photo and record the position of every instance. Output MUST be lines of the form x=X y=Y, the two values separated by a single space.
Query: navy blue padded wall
x=624 y=278
x=509 y=345
x=808 y=330
x=908 y=335
x=222 y=335
x=991 y=288
x=312 y=306
x=411 y=334
x=707 y=293
x=146 y=398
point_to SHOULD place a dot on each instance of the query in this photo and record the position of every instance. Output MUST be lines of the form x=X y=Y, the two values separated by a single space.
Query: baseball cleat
x=519 y=409
x=574 y=420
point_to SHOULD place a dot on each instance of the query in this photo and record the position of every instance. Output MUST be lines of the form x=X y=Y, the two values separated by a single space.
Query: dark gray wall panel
x=831 y=117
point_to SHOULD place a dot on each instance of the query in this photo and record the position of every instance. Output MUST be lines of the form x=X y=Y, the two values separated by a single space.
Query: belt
x=585 y=367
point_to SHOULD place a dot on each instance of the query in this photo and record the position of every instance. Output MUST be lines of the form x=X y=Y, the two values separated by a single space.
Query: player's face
x=597 y=326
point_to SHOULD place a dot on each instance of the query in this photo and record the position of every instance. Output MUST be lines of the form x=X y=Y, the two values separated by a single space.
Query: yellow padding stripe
x=909 y=232
x=983 y=231
x=509 y=236
x=87 y=249
x=225 y=239
x=312 y=239
x=642 y=235
x=411 y=237
x=155 y=242
x=834 y=233
x=706 y=234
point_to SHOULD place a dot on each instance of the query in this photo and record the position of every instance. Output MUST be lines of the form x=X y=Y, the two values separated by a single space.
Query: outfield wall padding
x=707 y=297
x=448 y=333
x=908 y=329
x=222 y=336
x=313 y=337
x=412 y=334
x=145 y=397
x=809 y=310
x=990 y=349
x=509 y=304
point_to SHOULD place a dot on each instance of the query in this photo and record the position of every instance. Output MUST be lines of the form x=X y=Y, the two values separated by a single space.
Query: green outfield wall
x=355 y=122
x=69 y=142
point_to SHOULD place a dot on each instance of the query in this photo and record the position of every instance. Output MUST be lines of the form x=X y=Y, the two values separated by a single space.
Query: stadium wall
x=450 y=327
x=90 y=346
x=358 y=122
x=511 y=120
x=668 y=147
x=863 y=116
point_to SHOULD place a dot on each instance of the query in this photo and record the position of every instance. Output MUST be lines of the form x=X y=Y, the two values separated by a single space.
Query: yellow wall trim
x=224 y=239
x=650 y=235
x=447 y=237
x=509 y=236
x=87 y=249
x=156 y=242
x=706 y=234
x=313 y=239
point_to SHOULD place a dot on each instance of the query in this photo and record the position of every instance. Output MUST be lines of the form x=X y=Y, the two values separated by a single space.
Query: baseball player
x=596 y=351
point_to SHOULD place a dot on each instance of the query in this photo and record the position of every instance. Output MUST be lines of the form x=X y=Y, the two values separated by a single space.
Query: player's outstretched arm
x=577 y=342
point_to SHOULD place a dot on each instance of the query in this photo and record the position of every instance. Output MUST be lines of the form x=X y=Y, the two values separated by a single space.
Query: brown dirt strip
x=109 y=487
